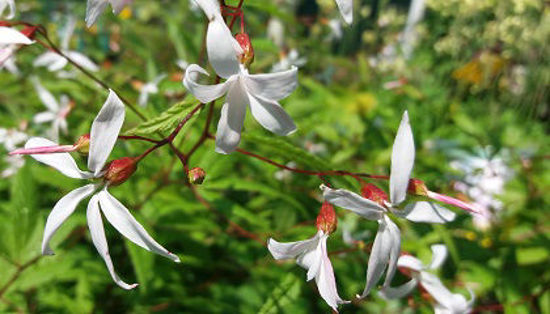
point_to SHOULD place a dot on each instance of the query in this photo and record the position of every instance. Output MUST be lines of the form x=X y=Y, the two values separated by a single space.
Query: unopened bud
x=29 y=31
x=196 y=176
x=326 y=220
x=82 y=145
x=247 y=57
x=374 y=193
x=417 y=187
x=119 y=170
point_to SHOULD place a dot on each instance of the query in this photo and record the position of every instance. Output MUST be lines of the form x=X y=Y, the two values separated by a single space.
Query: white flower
x=149 y=88
x=276 y=32
x=182 y=64
x=311 y=254
x=15 y=163
x=55 y=62
x=103 y=135
x=95 y=7
x=10 y=40
x=287 y=61
x=346 y=9
x=57 y=111
x=11 y=138
x=7 y=4
x=336 y=32
x=447 y=302
x=387 y=243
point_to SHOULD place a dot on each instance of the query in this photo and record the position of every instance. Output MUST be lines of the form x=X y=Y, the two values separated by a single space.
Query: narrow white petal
x=352 y=201
x=395 y=249
x=63 y=162
x=231 y=120
x=7 y=4
x=326 y=283
x=82 y=60
x=10 y=36
x=204 y=93
x=437 y=290
x=273 y=86
x=43 y=117
x=290 y=250
x=271 y=115
x=61 y=211
x=211 y=8
x=410 y=262
x=439 y=254
x=379 y=256
x=93 y=10
x=46 y=59
x=104 y=132
x=402 y=161
x=220 y=47
x=143 y=98
x=45 y=96
x=346 y=9
x=95 y=224
x=311 y=260
x=400 y=291
x=426 y=212
x=128 y=226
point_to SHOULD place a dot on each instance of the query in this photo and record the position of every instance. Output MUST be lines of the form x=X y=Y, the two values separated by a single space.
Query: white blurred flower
x=11 y=138
x=149 y=88
x=446 y=302
x=10 y=5
x=103 y=136
x=276 y=32
x=336 y=32
x=182 y=64
x=55 y=62
x=14 y=163
x=57 y=111
x=289 y=60
x=95 y=7
x=285 y=175
x=346 y=9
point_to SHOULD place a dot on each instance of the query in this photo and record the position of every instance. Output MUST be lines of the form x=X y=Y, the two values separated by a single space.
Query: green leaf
x=167 y=120
x=285 y=293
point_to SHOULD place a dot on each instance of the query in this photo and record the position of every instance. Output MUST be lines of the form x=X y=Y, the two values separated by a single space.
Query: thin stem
x=18 y=272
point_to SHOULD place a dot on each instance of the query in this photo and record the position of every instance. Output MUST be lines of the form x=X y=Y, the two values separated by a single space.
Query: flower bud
x=417 y=187
x=29 y=31
x=196 y=176
x=374 y=193
x=119 y=170
x=82 y=145
x=247 y=57
x=326 y=220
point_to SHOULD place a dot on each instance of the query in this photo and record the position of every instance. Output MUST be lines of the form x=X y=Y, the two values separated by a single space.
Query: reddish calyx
x=119 y=170
x=247 y=57
x=327 y=220
x=417 y=187
x=374 y=193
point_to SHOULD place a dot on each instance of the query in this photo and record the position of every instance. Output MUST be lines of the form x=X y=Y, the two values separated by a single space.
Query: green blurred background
x=474 y=76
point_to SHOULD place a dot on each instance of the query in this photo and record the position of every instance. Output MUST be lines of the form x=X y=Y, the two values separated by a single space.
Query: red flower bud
x=326 y=220
x=119 y=170
x=196 y=175
x=248 y=55
x=82 y=145
x=417 y=187
x=29 y=31
x=374 y=193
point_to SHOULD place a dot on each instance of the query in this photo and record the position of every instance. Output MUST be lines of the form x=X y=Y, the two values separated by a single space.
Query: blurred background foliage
x=475 y=80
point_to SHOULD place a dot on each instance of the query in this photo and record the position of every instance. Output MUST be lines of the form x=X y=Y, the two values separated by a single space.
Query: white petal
x=82 y=60
x=379 y=256
x=346 y=9
x=426 y=212
x=438 y=291
x=42 y=117
x=63 y=162
x=204 y=93
x=410 y=262
x=45 y=96
x=95 y=224
x=395 y=249
x=326 y=283
x=61 y=211
x=402 y=161
x=143 y=98
x=11 y=5
x=118 y=5
x=51 y=60
x=231 y=120
x=290 y=250
x=400 y=291
x=93 y=10
x=211 y=8
x=221 y=49
x=311 y=260
x=128 y=226
x=104 y=132
x=271 y=115
x=10 y=35
x=349 y=200
x=273 y=86
x=439 y=254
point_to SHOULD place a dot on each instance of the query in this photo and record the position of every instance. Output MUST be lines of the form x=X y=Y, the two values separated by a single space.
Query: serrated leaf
x=167 y=120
